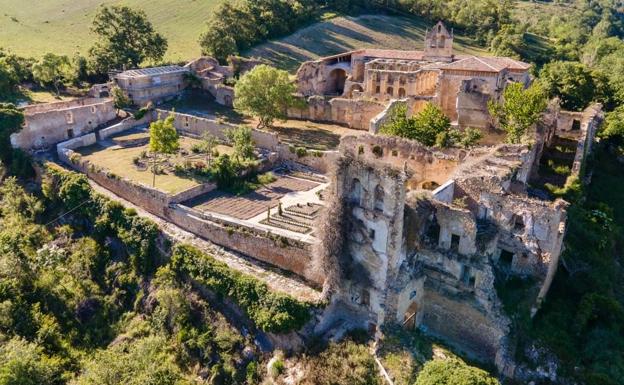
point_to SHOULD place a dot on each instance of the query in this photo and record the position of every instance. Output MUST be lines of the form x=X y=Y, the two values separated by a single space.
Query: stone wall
x=462 y=325
x=320 y=161
x=353 y=113
x=197 y=126
x=122 y=126
x=281 y=252
x=45 y=125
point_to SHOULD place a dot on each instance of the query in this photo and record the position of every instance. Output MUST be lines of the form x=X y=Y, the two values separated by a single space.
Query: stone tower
x=439 y=44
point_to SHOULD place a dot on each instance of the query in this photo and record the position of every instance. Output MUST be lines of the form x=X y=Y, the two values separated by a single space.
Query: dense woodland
x=90 y=293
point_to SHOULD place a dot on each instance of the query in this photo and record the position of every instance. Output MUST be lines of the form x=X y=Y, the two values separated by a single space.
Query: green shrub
x=271 y=312
x=301 y=152
x=453 y=371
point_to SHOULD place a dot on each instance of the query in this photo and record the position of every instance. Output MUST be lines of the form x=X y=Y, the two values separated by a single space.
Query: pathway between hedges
x=276 y=279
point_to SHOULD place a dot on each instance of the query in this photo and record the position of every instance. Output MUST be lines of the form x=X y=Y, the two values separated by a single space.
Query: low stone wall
x=317 y=160
x=192 y=192
x=287 y=254
x=124 y=125
x=72 y=144
x=196 y=126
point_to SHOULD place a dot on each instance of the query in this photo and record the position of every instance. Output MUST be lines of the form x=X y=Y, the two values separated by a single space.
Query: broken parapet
x=380 y=120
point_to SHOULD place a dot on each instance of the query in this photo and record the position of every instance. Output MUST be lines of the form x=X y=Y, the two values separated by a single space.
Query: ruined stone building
x=353 y=87
x=152 y=84
x=50 y=123
x=425 y=233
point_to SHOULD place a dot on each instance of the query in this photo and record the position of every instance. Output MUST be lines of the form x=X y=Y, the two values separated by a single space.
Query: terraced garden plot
x=247 y=206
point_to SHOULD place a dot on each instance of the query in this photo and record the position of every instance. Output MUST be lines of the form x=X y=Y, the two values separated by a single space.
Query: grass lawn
x=35 y=27
x=342 y=34
x=120 y=162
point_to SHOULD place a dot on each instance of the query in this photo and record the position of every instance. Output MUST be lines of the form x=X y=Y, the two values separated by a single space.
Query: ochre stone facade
x=434 y=75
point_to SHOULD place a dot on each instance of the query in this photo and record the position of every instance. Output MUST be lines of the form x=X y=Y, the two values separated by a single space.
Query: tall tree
x=208 y=145
x=266 y=93
x=574 y=83
x=164 y=140
x=519 y=109
x=53 y=70
x=11 y=119
x=126 y=39
x=8 y=78
x=242 y=142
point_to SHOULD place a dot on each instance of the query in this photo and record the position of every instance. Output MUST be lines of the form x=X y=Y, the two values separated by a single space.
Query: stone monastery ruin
x=408 y=235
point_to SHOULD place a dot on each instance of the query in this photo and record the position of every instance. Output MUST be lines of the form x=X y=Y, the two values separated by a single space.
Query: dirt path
x=273 y=278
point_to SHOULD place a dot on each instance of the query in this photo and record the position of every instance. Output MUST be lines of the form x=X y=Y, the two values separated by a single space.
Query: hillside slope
x=34 y=27
x=342 y=34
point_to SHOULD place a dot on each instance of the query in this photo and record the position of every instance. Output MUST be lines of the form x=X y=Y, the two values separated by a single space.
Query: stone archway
x=336 y=82
x=355 y=88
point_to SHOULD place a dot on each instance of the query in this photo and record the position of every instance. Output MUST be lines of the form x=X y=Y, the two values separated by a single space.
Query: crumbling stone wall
x=353 y=113
x=45 y=125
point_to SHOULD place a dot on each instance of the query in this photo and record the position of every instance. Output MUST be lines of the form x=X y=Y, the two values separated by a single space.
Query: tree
x=519 y=109
x=265 y=92
x=120 y=100
x=242 y=141
x=11 y=119
x=126 y=39
x=8 y=78
x=614 y=124
x=452 y=371
x=53 y=70
x=574 y=83
x=164 y=140
x=147 y=361
x=24 y=363
x=429 y=127
x=208 y=146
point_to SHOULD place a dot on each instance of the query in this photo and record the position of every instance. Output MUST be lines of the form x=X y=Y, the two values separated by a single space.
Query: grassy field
x=342 y=34
x=35 y=27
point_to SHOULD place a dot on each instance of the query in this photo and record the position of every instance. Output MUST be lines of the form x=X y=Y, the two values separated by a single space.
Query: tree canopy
x=126 y=39
x=164 y=140
x=519 y=109
x=53 y=70
x=429 y=127
x=574 y=83
x=453 y=371
x=266 y=93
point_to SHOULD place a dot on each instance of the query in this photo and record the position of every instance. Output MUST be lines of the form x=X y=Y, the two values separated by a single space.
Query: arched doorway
x=336 y=82
x=355 y=88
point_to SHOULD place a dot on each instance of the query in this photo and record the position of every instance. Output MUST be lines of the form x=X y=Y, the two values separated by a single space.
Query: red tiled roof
x=487 y=64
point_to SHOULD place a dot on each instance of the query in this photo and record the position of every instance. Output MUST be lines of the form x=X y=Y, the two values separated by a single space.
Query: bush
x=453 y=371
x=271 y=312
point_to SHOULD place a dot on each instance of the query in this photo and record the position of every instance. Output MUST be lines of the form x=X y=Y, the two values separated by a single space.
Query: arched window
x=379 y=198
x=390 y=91
x=401 y=92
x=356 y=192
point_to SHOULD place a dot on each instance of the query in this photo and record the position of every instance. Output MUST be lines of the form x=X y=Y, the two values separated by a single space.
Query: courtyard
x=125 y=155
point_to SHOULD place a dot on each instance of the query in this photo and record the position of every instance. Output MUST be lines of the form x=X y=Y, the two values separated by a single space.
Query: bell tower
x=439 y=44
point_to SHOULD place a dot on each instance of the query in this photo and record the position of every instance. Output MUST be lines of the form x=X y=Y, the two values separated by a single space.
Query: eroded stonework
x=424 y=233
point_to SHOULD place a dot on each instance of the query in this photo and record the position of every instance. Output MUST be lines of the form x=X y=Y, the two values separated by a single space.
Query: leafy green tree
x=53 y=70
x=613 y=127
x=429 y=127
x=266 y=93
x=120 y=100
x=25 y=363
x=164 y=140
x=574 y=83
x=519 y=109
x=126 y=39
x=208 y=145
x=8 y=78
x=11 y=119
x=242 y=141
x=452 y=371
x=147 y=361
